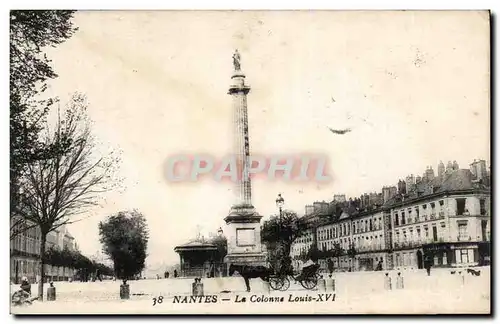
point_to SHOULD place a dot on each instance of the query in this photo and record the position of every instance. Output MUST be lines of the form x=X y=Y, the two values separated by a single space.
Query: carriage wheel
x=286 y=284
x=309 y=283
x=276 y=283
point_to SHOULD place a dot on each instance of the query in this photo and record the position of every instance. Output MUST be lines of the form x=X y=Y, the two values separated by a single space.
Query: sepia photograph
x=236 y=162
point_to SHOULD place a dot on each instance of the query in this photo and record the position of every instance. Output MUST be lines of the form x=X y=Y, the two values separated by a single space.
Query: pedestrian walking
x=330 y=266
x=428 y=265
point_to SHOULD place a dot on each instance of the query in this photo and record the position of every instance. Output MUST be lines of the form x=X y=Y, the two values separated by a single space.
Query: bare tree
x=66 y=182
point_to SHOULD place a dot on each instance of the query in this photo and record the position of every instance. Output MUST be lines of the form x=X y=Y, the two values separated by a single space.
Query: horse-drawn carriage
x=308 y=279
x=277 y=280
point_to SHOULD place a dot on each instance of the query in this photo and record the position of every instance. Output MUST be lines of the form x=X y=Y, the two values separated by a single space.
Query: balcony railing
x=416 y=243
x=372 y=247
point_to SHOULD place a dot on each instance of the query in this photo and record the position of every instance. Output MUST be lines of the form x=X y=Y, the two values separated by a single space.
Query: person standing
x=428 y=264
x=329 y=264
x=25 y=285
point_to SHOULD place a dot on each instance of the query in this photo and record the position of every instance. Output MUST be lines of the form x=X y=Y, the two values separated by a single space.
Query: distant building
x=388 y=193
x=478 y=170
x=309 y=209
x=401 y=187
x=449 y=167
x=410 y=183
x=441 y=169
x=429 y=174
x=339 y=198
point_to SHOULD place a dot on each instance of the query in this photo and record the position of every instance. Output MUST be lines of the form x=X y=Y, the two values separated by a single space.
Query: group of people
x=166 y=275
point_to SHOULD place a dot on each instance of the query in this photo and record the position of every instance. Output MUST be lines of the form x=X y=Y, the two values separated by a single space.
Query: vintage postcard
x=250 y=162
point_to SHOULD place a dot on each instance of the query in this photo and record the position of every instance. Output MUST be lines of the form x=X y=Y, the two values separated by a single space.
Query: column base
x=251 y=259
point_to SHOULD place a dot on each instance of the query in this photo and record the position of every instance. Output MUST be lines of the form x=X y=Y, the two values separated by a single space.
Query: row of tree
x=70 y=259
x=336 y=252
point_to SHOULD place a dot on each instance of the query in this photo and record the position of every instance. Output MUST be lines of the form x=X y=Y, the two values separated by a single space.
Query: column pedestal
x=243 y=244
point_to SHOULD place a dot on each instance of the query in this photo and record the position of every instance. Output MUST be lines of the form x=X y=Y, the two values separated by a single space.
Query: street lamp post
x=220 y=232
x=279 y=203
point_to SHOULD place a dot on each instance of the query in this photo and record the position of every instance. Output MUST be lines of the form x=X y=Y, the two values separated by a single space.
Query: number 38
x=158 y=300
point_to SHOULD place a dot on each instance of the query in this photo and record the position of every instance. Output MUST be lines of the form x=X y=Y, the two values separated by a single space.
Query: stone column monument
x=243 y=230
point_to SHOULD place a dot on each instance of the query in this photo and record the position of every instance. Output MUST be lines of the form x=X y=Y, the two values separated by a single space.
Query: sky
x=413 y=87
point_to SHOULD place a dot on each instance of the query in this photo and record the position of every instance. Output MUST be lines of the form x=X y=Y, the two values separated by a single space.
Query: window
x=403 y=220
x=371 y=225
x=434 y=233
x=417 y=212
x=460 y=206
x=482 y=206
x=484 y=230
x=396 y=219
x=462 y=231
x=464 y=256
x=441 y=202
x=418 y=234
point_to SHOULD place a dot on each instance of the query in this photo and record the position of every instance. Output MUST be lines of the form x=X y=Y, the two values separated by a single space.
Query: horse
x=248 y=272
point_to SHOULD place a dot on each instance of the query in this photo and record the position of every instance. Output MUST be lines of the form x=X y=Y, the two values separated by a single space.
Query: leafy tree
x=337 y=251
x=351 y=251
x=125 y=238
x=75 y=260
x=67 y=182
x=313 y=253
x=53 y=257
x=221 y=243
x=31 y=31
x=103 y=269
x=279 y=234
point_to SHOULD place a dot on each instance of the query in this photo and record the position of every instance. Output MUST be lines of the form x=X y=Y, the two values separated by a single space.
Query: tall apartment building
x=444 y=220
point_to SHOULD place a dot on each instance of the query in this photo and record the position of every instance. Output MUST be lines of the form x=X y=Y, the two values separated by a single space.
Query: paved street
x=355 y=292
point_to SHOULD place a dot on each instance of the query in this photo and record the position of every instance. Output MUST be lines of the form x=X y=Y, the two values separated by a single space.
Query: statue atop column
x=237 y=61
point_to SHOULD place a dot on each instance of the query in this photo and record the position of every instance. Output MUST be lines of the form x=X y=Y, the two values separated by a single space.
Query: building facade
x=25 y=252
x=443 y=220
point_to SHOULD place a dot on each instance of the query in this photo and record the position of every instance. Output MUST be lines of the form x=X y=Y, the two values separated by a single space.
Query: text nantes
x=195 y=299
